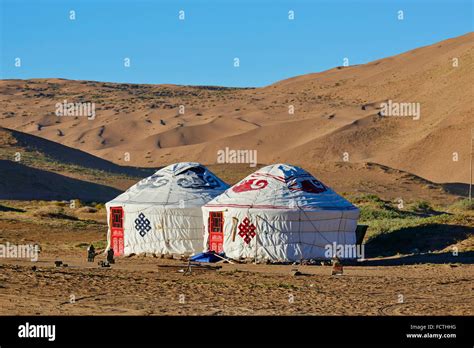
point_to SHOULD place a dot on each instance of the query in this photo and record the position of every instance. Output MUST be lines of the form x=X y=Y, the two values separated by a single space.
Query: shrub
x=53 y=213
x=87 y=209
x=369 y=213
x=60 y=203
x=464 y=205
x=367 y=198
x=75 y=203
x=100 y=206
x=421 y=206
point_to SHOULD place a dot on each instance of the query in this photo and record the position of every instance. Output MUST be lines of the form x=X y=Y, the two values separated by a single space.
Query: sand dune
x=336 y=112
x=25 y=155
x=26 y=142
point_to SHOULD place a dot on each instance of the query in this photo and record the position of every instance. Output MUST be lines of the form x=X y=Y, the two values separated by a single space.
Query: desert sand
x=410 y=268
x=335 y=112
x=141 y=287
x=432 y=281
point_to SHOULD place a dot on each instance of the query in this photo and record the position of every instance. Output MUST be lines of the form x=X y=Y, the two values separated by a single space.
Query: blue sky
x=201 y=49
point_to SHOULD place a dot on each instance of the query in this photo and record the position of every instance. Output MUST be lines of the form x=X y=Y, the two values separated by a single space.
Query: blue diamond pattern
x=142 y=225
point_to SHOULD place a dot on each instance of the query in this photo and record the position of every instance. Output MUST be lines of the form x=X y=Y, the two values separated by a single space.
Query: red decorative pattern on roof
x=250 y=185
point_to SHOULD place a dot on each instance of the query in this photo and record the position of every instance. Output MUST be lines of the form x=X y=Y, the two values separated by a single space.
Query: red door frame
x=216 y=231
x=116 y=230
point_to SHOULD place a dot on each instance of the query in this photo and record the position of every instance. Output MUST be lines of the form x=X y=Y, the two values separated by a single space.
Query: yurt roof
x=185 y=184
x=281 y=186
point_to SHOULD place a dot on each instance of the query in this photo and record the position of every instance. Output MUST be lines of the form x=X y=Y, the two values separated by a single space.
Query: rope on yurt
x=168 y=202
x=312 y=245
x=169 y=193
x=339 y=228
x=299 y=231
x=344 y=232
x=256 y=224
x=311 y=222
x=262 y=246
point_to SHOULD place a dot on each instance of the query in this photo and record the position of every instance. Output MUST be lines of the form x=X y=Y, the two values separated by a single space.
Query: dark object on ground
x=188 y=270
x=295 y=273
x=110 y=256
x=192 y=265
x=4 y=208
x=337 y=268
x=65 y=265
x=33 y=268
x=58 y=263
x=90 y=253
x=361 y=230
x=208 y=256
x=310 y=262
x=103 y=264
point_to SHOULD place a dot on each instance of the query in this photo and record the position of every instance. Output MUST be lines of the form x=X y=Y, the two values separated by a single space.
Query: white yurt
x=279 y=213
x=162 y=214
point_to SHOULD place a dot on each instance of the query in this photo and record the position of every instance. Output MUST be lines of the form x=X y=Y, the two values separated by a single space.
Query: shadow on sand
x=27 y=183
x=419 y=244
x=434 y=258
x=457 y=188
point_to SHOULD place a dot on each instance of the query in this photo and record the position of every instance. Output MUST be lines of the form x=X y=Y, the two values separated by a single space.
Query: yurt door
x=216 y=231
x=116 y=223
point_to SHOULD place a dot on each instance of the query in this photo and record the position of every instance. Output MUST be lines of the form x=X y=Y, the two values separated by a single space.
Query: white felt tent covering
x=171 y=200
x=295 y=216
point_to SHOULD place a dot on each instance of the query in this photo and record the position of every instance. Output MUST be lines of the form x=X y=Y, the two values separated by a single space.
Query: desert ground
x=409 y=178
x=141 y=287
x=411 y=267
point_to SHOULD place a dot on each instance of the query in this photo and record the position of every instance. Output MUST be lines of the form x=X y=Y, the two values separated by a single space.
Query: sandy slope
x=49 y=170
x=335 y=113
x=32 y=167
